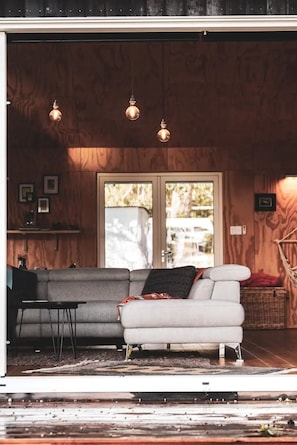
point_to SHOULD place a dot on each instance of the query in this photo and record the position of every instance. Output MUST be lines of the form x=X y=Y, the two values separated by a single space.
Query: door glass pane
x=128 y=224
x=189 y=224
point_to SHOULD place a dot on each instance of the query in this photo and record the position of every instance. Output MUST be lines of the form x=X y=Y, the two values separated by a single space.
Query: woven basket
x=265 y=307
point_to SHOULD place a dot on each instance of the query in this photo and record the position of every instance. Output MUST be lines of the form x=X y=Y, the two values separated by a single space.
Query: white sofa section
x=212 y=313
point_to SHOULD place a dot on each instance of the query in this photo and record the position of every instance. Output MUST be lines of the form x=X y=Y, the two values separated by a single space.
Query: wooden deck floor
x=113 y=420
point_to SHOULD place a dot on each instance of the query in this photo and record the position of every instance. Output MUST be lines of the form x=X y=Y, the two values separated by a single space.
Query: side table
x=64 y=315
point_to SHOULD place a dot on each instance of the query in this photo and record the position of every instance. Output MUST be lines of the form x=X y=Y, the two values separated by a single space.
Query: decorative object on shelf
x=55 y=115
x=51 y=185
x=163 y=134
x=265 y=202
x=30 y=219
x=132 y=112
x=26 y=192
x=22 y=262
x=43 y=205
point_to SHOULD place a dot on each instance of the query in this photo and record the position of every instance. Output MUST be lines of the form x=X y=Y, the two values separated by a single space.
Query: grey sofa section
x=101 y=289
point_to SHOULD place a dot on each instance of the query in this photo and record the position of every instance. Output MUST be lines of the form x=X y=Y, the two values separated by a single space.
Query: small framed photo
x=43 y=205
x=51 y=185
x=26 y=192
x=30 y=197
x=265 y=202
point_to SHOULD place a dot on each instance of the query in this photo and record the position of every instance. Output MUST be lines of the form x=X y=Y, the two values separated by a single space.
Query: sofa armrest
x=227 y=272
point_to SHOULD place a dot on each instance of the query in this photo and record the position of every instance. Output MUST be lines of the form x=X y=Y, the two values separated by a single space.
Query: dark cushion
x=176 y=282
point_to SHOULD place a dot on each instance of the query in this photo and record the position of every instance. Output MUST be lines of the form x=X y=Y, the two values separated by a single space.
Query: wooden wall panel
x=88 y=220
x=238 y=204
x=230 y=109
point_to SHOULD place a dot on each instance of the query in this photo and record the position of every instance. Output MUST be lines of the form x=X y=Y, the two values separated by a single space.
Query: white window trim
x=98 y=384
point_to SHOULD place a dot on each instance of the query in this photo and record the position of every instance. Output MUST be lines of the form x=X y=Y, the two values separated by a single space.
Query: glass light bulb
x=132 y=112
x=163 y=134
x=55 y=115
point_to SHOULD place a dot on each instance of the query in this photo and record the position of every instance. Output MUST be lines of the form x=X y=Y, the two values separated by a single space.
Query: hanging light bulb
x=163 y=134
x=132 y=112
x=55 y=115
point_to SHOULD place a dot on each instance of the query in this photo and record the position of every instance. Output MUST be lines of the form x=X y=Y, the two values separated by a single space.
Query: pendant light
x=163 y=134
x=132 y=112
x=55 y=115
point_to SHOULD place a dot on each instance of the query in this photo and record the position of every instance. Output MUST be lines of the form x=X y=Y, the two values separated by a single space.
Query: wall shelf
x=41 y=232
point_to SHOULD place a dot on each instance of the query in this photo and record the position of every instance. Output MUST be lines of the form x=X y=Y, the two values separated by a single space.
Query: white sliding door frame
x=96 y=384
x=3 y=206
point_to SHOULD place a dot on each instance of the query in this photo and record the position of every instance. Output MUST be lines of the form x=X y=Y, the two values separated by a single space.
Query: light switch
x=235 y=230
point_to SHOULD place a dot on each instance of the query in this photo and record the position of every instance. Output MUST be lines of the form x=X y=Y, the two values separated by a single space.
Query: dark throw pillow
x=176 y=282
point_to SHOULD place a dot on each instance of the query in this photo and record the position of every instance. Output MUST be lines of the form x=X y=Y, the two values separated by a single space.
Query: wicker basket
x=265 y=307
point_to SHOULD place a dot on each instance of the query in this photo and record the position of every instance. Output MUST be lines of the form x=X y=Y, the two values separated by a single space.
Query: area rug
x=112 y=362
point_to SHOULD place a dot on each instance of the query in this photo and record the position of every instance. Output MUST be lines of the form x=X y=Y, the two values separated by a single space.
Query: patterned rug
x=112 y=362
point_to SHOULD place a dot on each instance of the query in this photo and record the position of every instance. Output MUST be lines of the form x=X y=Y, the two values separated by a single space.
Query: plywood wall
x=230 y=106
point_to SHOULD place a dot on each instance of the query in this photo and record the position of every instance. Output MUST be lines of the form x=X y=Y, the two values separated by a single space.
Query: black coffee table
x=64 y=315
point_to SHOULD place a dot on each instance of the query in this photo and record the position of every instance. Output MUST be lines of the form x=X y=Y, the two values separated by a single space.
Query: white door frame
x=158 y=180
x=3 y=194
x=128 y=383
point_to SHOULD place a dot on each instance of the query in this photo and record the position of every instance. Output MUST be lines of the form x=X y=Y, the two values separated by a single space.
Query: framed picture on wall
x=26 y=192
x=265 y=202
x=43 y=205
x=51 y=185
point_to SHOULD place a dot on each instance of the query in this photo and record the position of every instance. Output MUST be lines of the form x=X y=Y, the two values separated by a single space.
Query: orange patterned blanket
x=152 y=296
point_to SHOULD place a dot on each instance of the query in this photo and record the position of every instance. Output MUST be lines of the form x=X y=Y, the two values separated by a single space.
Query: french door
x=159 y=220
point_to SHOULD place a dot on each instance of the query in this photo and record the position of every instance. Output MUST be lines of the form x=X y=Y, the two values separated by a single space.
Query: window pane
x=189 y=224
x=128 y=225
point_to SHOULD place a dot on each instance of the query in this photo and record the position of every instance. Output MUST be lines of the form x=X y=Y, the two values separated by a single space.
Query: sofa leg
x=129 y=349
x=237 y=349
x=221 y=350
x=238 y=352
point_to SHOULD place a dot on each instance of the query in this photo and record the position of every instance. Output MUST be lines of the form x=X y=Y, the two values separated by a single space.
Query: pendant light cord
x=163 y=80
x=132 y=76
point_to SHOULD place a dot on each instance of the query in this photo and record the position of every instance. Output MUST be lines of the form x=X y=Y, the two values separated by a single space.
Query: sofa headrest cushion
x=176 y=282
x=227 y=272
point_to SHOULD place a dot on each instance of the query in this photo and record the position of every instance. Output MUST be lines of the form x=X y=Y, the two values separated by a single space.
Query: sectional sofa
x=208 y=312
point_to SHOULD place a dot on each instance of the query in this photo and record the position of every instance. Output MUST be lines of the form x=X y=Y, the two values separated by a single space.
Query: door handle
x=164 y=254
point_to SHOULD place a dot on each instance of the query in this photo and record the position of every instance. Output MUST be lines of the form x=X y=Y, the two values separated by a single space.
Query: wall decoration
x=26 y=192
x=43 y=205
x=265 y=202
x=30 y=197
x=51 y=185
